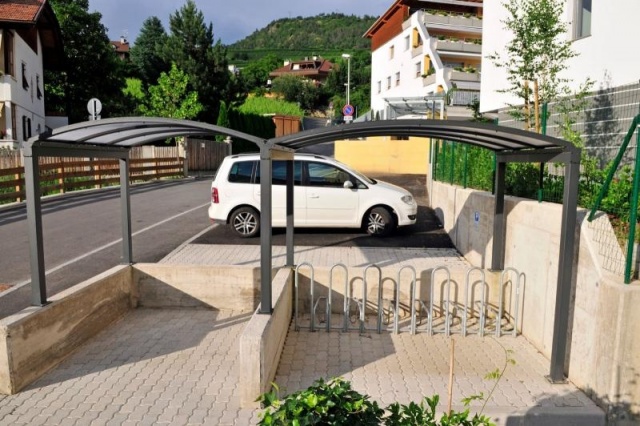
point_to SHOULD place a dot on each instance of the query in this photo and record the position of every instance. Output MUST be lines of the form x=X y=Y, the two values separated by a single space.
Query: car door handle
x=314 y=196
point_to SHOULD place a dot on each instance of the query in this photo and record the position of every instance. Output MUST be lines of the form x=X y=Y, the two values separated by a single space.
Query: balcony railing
x=459 y=21
x=455 y=75
x=458 y=46
x=463 y=97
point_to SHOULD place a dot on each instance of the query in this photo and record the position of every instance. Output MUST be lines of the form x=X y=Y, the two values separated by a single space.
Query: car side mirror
x=347 y=184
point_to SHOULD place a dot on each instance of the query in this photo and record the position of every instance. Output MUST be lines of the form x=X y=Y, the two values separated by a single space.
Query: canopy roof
x=131 y=131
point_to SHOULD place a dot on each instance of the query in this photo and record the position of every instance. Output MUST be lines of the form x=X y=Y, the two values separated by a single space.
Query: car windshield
x=357 y=174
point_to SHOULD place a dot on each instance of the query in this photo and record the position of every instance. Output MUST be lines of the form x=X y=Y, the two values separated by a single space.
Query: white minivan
x=327 y=194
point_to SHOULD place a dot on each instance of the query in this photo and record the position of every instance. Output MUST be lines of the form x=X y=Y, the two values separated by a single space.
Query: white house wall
x=26 y=102
x=604 y=56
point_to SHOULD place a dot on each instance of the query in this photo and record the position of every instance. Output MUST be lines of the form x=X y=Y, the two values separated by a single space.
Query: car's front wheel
x=245 y=222
x=380 y=222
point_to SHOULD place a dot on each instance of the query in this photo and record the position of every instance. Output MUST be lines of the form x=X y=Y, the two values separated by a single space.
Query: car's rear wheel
x=380 y=222
x=245 y=222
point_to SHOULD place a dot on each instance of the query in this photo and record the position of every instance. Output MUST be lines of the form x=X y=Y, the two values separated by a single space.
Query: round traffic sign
x=347 y=110
x=94 y=106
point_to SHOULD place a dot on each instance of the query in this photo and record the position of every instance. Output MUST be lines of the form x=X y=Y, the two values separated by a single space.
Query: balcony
x=457 y=75
x=458 y=46
x=430 y=79
x=452 y=21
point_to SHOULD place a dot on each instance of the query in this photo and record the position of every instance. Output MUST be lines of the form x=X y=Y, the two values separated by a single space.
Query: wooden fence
x=60 y=175
x=205 y=155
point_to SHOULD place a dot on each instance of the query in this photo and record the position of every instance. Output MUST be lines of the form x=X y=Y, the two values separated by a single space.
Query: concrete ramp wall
x=37 y=339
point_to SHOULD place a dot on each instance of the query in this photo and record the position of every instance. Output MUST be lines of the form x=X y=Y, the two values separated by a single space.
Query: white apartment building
x=29 y=41
x=601 y=33
x=426 y=58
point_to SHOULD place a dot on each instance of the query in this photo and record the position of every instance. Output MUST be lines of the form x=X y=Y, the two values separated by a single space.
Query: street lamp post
x=348 y=58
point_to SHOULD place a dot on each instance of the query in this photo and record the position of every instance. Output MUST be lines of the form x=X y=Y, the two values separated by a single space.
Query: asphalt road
x=82 y=234
x=427 y=231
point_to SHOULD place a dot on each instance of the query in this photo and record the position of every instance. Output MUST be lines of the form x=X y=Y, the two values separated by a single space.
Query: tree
x=146 y=53
x=171 y=97
x=223 y=120
x=190 y=45
x=256 y=73
x=360 y=82
x=92 y=68
x=296 y=89
x=535 y=56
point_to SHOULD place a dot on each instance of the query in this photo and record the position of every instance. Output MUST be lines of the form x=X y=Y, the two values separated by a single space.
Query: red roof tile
x=20 y=10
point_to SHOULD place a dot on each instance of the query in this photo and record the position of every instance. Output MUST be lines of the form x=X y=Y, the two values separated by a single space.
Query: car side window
x=279 y=173
x=241 y=172
x=321 y=174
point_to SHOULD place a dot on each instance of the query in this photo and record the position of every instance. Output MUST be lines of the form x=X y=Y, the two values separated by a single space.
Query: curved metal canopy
x=490 y=136
x=126 y=132
x=131 y=131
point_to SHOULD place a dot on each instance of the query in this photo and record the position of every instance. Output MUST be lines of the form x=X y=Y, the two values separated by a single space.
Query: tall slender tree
x=191 y=46
x=146 y=53
x=92 y=68
x=535 y=56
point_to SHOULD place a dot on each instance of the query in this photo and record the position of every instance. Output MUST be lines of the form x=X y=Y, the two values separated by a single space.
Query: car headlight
x=408 y=199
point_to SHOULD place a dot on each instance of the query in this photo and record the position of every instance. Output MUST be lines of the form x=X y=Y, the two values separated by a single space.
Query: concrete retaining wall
x=219 y=287
x=262 y=342
x=604 y=358
x=37 y=339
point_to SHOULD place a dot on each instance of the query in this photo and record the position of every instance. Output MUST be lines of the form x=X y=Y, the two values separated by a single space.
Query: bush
x=335 y=403
x=323 y=403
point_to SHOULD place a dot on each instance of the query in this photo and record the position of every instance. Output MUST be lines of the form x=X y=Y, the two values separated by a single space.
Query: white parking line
x=118 y=241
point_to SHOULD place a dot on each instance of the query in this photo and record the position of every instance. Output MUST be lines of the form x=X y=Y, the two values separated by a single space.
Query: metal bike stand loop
x=296 y=325
x=469 y=289
x=503 y=284
x=445 y=308
x=364 y=299
x=412 y=296
x=345 y=309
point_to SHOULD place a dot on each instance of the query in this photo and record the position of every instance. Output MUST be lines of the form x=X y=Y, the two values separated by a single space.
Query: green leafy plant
x=328 y=403
x=425 y=414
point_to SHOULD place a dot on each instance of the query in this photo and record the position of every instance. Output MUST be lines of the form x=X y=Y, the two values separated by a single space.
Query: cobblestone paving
x=405 y=368
x=204 y=254
x=169 y=366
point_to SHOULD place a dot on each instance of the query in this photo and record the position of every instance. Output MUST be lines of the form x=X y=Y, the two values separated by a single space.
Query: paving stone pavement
x=178 y=366
x=155 y=366
x=420 y=258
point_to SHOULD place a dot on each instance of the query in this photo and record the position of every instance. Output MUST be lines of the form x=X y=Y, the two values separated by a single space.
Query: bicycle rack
x=483 y=302
x=412 y=297
x=501 y=303
x=442 y=308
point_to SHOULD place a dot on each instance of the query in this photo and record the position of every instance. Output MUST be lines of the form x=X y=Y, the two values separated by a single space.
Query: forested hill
x=333 y=31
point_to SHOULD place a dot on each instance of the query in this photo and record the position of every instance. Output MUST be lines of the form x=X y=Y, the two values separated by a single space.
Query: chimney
x=123 y=40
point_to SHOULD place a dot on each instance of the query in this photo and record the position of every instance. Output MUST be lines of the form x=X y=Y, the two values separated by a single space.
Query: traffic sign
x=94 y=106
x=348 y=118
x=347 y=110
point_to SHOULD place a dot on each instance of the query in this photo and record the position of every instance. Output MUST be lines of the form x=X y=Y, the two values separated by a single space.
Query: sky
x=232 y=20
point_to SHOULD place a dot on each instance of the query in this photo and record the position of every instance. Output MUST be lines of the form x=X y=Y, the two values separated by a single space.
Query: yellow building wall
x=385 y=155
